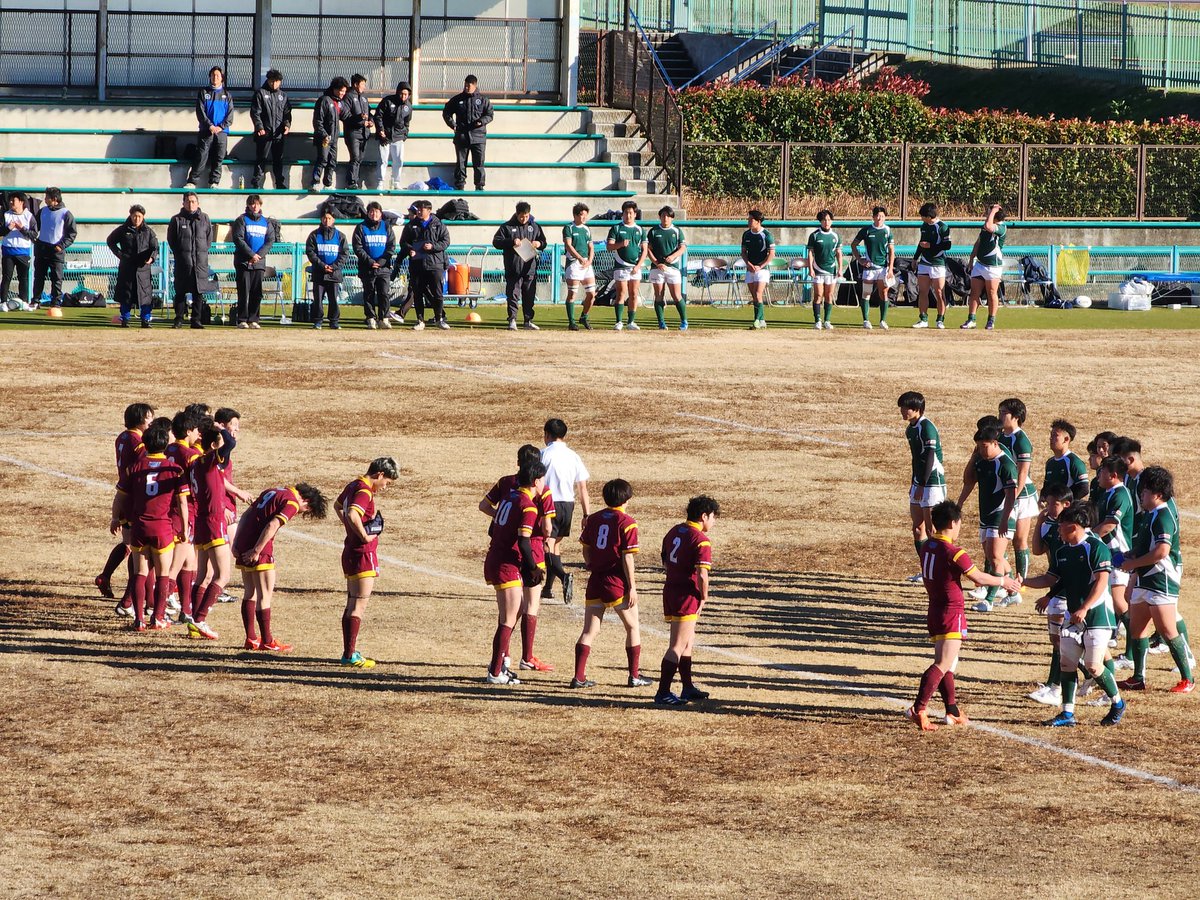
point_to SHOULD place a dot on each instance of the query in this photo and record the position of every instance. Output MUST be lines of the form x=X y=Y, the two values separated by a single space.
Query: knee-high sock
x=864 y=305
x=634 y=656
x=1108 y=683
x=681 y=308
x=207 y=600
x=187 y=579
x=1068 y=681
x=554 y=565
x=994 y=589
x=816 y=311
x=660 y=308
x=949 y=698
x=139 y=597
x=929 y=683
x=1054 y=675
x=667 y=675
x=249 y=609
x=116 y=556
x=528 y=632
x=828 y=311
x=1179 y=652
x=161 y=588
x=1140 y=647
x=264 y=624
x=685 y=671
x=581 y=658
x=570 y=312
x=500 y=641
x=883 y=309
x=151 y=587
x=1022 y=563
x=350 y=626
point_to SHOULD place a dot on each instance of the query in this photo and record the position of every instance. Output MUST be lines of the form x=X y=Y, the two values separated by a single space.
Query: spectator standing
x=565 y=474
x=16 y=249
x=521 y=232
x=253 y=235
x=55 y=233
x=214 y=111
x=356 y=126
x=190 y=235
x=425 y=240
x=469 y=114
x=375 y=246
x=326 y=249
x=135 y=245
x=392 y=118
x=271 y=113
x=326 y=115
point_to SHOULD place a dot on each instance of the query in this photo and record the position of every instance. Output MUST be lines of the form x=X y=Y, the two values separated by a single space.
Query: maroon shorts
x=538 y=545
x=502 y=570
x=266 y=559
x=209 y=533
x=605 y=590
x=361 y=561
x=946 y=624
x=157 y=537
x=680 y=605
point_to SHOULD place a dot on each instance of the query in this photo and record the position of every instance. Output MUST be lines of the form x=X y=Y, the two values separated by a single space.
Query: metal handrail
x=770 y=26
x=818 y=52
x=653 y=53
x=780 y=48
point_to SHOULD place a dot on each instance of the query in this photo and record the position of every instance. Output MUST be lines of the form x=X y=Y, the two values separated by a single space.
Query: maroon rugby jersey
x=208 y=487
x=942 y=565
x=610 y=534
x=150 y=489
x=129 y=448
x=358 y=495
x=514 y=519
x=280 y=503
x=184 y=455
x=686 y=548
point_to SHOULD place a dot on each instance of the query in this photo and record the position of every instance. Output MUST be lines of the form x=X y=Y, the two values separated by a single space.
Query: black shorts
x=563 y=514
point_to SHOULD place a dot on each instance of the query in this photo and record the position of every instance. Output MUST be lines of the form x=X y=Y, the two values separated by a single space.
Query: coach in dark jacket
x=356 y=126
x=469 y=114
x=135 y=246
x=190 y=235
x=392 y=117
x=253 y=235
x=326 y=115
x=328 y=253
x=424 y=241
x=520 y=275
x=214 y=112
x=375 y=246
x=271 y=113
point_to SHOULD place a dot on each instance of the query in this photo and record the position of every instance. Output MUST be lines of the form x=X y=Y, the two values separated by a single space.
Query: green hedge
x=1087 y=181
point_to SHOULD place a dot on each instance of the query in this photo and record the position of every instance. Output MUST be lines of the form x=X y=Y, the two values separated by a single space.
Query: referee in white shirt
x=565 y=472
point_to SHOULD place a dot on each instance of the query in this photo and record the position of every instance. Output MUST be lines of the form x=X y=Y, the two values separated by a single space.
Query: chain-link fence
x=511 y=57
x=174 y=50
x=310 y=51
x=50 y=49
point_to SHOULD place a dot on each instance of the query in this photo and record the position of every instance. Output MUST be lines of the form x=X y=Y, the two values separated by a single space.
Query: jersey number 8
x=601 y=537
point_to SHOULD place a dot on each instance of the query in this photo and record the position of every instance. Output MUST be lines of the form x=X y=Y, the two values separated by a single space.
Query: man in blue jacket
x=214 y=112
x=252 y=234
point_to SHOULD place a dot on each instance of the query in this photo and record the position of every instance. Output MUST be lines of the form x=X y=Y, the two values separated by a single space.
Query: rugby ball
x=1083 y=301
x=474 y=317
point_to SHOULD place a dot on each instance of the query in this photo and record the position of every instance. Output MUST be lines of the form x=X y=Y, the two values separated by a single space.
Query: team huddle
x=176 y=509
x=1111 y=544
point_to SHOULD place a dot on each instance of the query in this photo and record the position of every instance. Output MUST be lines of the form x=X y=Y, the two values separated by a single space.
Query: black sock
x=554 y=564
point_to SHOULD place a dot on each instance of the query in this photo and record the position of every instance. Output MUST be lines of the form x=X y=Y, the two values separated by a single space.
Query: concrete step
x=645 y=158
x=165 y=174
x=140 y=144
x=638 y=144
x=641 y=173
x=68 y=114
x=601 y=115
x=642 y=186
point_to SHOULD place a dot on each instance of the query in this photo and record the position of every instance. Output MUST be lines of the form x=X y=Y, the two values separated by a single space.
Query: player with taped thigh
x=824 y=268
x=928 y=485
x=1045 y=542
x=986 y=267
x=1020 y=448
x=877 y=265
x=211 y=537
x=931 y=265
x=580 y=255
x=665 y=245
x=996 y=478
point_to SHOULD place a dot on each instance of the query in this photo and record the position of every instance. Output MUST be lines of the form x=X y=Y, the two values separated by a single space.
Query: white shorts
x=1026 y=508
x=577 y=271
x=924 y=268
x=987 y=273
x=669 y=275
x=926 y=497
x=875 y=273
x=821 y=277
x=1090 y=647
x=1056 y=607
x=988 y=534
x=1116 y=576
x=626 y=273
x=762 y=276
x=1151 y=598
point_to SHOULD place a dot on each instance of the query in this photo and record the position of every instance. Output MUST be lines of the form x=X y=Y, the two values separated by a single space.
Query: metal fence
x=50 y=49
x=1032 y=181
x=178 y=49
x=1151 y=44
x=511 y=57
x=310 y=51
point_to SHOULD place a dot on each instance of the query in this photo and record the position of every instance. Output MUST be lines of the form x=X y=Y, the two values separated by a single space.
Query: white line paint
x=20 y=432
x=469 y=370
x=795 y=671
x=742 y=426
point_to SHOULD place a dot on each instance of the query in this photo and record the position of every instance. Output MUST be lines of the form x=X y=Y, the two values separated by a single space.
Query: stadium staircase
x=106 y=157
x=674 y=56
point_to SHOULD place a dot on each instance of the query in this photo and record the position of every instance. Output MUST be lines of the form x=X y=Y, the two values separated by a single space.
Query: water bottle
x=242 y=183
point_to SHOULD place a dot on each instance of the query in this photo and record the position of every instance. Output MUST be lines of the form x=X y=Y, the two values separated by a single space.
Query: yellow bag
x=1072 y=265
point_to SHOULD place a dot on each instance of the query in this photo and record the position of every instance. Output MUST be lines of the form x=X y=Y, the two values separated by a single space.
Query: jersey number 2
x=675 y=545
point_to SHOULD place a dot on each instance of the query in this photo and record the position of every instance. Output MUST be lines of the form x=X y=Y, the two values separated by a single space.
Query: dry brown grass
x=145 y=766
x=805 y=206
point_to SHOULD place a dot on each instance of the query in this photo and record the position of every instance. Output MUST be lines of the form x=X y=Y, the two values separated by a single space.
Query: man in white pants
x=565 y=472
x=392 y=118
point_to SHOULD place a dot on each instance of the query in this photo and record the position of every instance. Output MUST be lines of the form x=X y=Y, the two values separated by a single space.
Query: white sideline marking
x=797 y=672
x=796 y=435
x=21 y=432
x=441 y=365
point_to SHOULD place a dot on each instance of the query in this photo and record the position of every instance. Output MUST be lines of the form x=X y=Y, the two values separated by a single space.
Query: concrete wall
x=706 y=49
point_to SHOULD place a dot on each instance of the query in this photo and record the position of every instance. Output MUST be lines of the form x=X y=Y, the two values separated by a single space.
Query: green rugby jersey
x=579 y=237
x=823 y=248
x=923 y=439
x=1154 y=527
x=663 y=241
x=756 y=245
x=937 y=235
x=1067 y=470
x=991 y=245
x=628 y=255
x=1051 y=538
x=1118 y=509
x=1077 y=567
x=993 y=478
x=1021 y=450
x=875 y=241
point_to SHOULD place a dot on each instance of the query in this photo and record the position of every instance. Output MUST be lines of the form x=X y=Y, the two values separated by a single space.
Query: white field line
x=21 y=432
x=794 y=671
x=469 y=370
x=742 y=426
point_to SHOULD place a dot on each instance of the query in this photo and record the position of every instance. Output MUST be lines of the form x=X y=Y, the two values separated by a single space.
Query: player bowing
x=687 y=559
x=211 y=537
x=355 y=508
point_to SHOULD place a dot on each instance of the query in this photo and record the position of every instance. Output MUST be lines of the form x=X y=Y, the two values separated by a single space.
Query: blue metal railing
x=650 y=49
x=780 y=48
x=816 y=53
x=699 y=77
